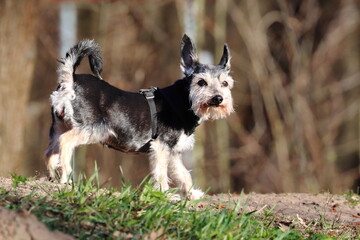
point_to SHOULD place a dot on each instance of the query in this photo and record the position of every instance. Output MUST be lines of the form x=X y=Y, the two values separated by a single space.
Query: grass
x=18 y=179
x=86 y=211
x=352 y=198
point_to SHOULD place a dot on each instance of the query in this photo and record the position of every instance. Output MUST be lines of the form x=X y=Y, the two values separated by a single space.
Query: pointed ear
x=225 y=59
x=188 y=56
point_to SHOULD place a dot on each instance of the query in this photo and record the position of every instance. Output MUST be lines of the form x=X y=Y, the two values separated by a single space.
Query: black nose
x=216 y=100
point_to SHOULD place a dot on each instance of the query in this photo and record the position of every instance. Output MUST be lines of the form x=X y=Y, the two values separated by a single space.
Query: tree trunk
x=17 y=60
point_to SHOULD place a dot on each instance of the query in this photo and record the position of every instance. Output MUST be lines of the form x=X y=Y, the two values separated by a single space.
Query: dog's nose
x=216 y=100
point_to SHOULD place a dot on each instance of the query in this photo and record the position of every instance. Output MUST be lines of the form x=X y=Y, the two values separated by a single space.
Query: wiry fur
x=214 y=76
x=62 y=97
x=200 y=95
x=87 y=110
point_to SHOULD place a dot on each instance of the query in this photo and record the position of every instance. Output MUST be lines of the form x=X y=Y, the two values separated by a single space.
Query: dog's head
x=210 y=86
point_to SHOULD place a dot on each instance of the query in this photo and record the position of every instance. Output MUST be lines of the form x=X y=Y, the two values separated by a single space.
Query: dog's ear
x=188 y=56
x=225 y=59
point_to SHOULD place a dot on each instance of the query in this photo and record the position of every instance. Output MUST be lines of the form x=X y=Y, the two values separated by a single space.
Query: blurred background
x=297 y=92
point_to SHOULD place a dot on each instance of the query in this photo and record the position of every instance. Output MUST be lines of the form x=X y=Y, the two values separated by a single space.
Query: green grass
x=18 y=179
x=87 y=211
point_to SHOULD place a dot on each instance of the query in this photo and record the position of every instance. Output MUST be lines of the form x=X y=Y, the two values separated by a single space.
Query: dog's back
x=106 y=109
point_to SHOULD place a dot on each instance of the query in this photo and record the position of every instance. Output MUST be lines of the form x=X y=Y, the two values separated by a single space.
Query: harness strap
x=149 y=95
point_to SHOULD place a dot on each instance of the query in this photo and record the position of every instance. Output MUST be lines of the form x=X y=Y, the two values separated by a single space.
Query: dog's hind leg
x=159 y=161
x=182 y=177
x=52 y=156
x=68 y=141
x=52 y=152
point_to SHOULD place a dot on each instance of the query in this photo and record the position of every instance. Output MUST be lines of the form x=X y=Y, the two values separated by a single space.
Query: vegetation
x=87 y=211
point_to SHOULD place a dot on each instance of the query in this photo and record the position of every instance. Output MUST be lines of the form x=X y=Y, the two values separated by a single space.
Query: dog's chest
x=185 y=142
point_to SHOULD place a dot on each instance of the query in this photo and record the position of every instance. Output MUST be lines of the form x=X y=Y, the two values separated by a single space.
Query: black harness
x=149 y=95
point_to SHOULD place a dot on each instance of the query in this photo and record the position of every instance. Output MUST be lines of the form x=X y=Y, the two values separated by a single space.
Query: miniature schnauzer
x=87 y=110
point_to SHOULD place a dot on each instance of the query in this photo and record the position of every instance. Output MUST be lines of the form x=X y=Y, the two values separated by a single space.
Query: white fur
x=53 y=164
x=166 y=163
x=184 y=143
x=195 y=194
x=62 y=97
x=159 y=161
x=179 y=173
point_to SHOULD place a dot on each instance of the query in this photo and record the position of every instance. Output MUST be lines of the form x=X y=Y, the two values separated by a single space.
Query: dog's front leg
x=182 y=177
x=159 y=160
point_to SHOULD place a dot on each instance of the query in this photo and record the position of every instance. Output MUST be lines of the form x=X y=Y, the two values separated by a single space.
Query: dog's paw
x=195 y=194
x=174 y=197
x=51 y=179
x=66 y=180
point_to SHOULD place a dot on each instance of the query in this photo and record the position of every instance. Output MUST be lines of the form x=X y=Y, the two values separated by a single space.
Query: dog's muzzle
x=215 y=101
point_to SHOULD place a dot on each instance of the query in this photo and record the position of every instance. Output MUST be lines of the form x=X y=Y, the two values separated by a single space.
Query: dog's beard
x=206 y=111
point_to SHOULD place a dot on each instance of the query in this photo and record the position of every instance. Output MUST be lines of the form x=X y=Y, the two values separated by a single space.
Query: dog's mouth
x=211 y=104
x=213 y=110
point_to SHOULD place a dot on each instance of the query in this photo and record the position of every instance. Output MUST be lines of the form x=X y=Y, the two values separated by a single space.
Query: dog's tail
x=61 y=98
x=85 y=48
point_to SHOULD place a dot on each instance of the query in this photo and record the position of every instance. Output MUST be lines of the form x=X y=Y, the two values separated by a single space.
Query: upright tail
x=85 y=48
x=61 y=98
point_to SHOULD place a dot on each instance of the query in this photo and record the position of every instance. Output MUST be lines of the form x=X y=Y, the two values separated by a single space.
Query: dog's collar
x=149 y=95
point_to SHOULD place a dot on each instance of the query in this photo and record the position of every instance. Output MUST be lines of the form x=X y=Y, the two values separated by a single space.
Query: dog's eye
x=224 y=84
x=202 y=83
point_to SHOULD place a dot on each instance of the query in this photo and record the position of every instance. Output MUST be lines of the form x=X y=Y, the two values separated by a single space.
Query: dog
x=87 y=110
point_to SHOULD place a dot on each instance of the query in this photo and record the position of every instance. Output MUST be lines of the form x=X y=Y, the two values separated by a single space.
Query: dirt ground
x=300 y=206
x=291 y=209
